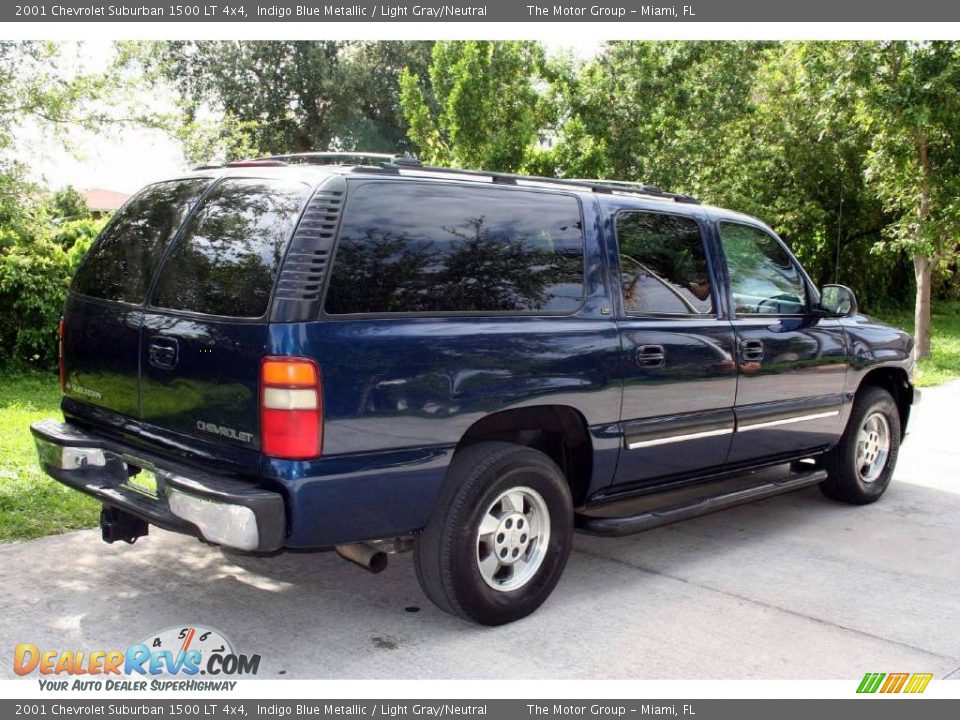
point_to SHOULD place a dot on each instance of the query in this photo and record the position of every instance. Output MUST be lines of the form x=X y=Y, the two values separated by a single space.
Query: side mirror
x=838 y=300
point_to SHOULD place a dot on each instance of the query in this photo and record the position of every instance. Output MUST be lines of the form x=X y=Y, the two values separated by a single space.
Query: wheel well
x=895 y=382
x=558 y=431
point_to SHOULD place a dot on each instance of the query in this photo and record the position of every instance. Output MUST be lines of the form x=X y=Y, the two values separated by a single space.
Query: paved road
x=791 y=587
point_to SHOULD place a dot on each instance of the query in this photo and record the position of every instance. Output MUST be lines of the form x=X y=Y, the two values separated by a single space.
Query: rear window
x=228 y=258
x=121 y=263
x=431 y=248
x=663 y=266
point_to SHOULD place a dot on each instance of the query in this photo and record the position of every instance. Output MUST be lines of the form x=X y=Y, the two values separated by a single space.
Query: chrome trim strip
x=678 y=438
x=729 y=431
x=787 y=421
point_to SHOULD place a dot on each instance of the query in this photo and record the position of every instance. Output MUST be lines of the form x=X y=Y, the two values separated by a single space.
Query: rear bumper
x=220 y=510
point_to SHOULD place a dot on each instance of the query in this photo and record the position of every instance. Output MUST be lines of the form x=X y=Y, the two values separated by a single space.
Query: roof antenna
x=836 y=264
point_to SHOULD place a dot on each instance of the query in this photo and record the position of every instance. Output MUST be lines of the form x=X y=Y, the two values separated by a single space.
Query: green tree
x=745 y=125
x=41 y=87
x=75 y=233
x=653 y=111
x=481 y=104
x=69 y=204
x=268 y=97
x=906 y=97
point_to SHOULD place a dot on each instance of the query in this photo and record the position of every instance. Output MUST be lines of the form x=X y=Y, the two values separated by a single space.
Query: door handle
x=163 y=353
x=651 y=356
x=751 y=350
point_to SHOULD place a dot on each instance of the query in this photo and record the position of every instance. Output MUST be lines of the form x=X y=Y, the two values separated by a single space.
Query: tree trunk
x=921 y=262
x=921 y=316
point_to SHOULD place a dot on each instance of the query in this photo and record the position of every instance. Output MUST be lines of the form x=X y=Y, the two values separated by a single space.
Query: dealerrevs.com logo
x=181 y=658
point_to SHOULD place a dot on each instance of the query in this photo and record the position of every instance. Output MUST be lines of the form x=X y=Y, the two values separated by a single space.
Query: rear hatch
x=104 y=310
x=186 y=361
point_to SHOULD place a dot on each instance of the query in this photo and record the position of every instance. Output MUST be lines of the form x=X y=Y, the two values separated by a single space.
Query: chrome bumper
x=222 y=511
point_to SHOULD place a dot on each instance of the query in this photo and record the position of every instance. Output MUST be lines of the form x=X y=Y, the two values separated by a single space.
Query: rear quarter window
x=229 y=255
x=121 y=263
x=434 y=248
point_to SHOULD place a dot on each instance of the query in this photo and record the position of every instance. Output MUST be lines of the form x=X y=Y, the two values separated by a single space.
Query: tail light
x=291 y=408
x=61 y=366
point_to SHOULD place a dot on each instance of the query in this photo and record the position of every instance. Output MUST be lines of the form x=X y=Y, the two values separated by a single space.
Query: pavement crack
x=770 y=606
x=955 y=673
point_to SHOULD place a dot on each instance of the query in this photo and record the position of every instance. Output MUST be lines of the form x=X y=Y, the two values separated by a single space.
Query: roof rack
x=607 y=187
x=258 y=162
x=319 y=158
x=623 y=184
x=393 y=164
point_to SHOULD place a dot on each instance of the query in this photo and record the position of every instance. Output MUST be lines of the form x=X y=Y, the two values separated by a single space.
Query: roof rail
x=391 y=163
x=258 y=162
x=320 y=158
x=606 y=187
x=640 y=187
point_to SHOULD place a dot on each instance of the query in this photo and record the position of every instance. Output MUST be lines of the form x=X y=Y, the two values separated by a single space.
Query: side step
x=636 y=514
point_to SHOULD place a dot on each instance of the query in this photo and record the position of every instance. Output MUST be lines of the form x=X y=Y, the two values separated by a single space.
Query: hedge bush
x=36 y=264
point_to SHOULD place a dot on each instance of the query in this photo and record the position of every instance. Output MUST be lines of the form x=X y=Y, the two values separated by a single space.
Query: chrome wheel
x=513 y=538
x=873 y=447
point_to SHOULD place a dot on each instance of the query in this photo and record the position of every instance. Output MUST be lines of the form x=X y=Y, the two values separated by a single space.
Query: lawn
x=944 y=361
x=32 y=504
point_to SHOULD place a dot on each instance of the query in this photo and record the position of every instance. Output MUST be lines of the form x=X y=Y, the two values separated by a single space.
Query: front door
x=677 y=353
x=791 y=366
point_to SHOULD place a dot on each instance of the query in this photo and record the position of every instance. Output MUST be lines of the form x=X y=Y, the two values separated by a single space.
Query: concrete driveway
x=791 y=587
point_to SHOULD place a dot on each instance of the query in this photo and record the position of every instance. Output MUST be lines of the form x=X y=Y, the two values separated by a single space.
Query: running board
x=626 y=517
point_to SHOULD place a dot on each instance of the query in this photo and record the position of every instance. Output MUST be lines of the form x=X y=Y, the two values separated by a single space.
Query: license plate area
x=143 y=482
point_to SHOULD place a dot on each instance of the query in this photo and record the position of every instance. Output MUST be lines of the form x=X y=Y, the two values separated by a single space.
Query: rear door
x=679 y=373
x=104 y=311
x=792 y=366
x=205 y=328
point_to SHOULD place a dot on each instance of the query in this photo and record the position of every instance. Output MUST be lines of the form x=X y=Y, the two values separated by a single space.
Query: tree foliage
x=247 y=98
x=479 y=105
x=906 y=100
x=69 y=204
x=754 y=126
x=37 y=258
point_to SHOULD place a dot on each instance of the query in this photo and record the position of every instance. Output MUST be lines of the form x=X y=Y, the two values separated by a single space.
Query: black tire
x=447 y=549
x=844 y=481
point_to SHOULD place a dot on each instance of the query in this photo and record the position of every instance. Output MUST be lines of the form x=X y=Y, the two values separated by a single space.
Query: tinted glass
x=763 y=278
x=121 y=263
x=663 y=267
x=440 y=248
x=229 y=255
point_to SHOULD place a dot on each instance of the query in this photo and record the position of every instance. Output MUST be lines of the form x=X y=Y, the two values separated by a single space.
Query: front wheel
x=860 y=467
x=499 y=536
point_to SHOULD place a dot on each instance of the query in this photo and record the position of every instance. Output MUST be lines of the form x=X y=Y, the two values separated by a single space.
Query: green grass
x=944 y=361
x=32 y=504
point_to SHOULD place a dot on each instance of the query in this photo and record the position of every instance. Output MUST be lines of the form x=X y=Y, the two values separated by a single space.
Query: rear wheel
x=500 y=535
x=860 y=467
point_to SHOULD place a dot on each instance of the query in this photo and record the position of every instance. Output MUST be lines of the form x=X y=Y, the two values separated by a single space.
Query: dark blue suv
x=303 y=352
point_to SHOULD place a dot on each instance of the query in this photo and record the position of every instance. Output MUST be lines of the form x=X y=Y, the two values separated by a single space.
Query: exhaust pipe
x=366 y=556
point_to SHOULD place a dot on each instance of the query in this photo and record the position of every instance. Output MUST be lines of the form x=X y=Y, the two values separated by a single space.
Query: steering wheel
x=782 y=297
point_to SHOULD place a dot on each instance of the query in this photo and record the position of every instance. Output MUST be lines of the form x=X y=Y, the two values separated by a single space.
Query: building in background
x=101 y=202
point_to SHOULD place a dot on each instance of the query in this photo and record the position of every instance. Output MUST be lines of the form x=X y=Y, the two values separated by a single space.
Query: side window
x=430 y=247
x=121 y=263
x=229 y=255
x=763 y=278
x=663 y=266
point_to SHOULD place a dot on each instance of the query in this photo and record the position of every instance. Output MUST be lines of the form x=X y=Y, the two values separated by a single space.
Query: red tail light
x=61 y=367
x=291 y=408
